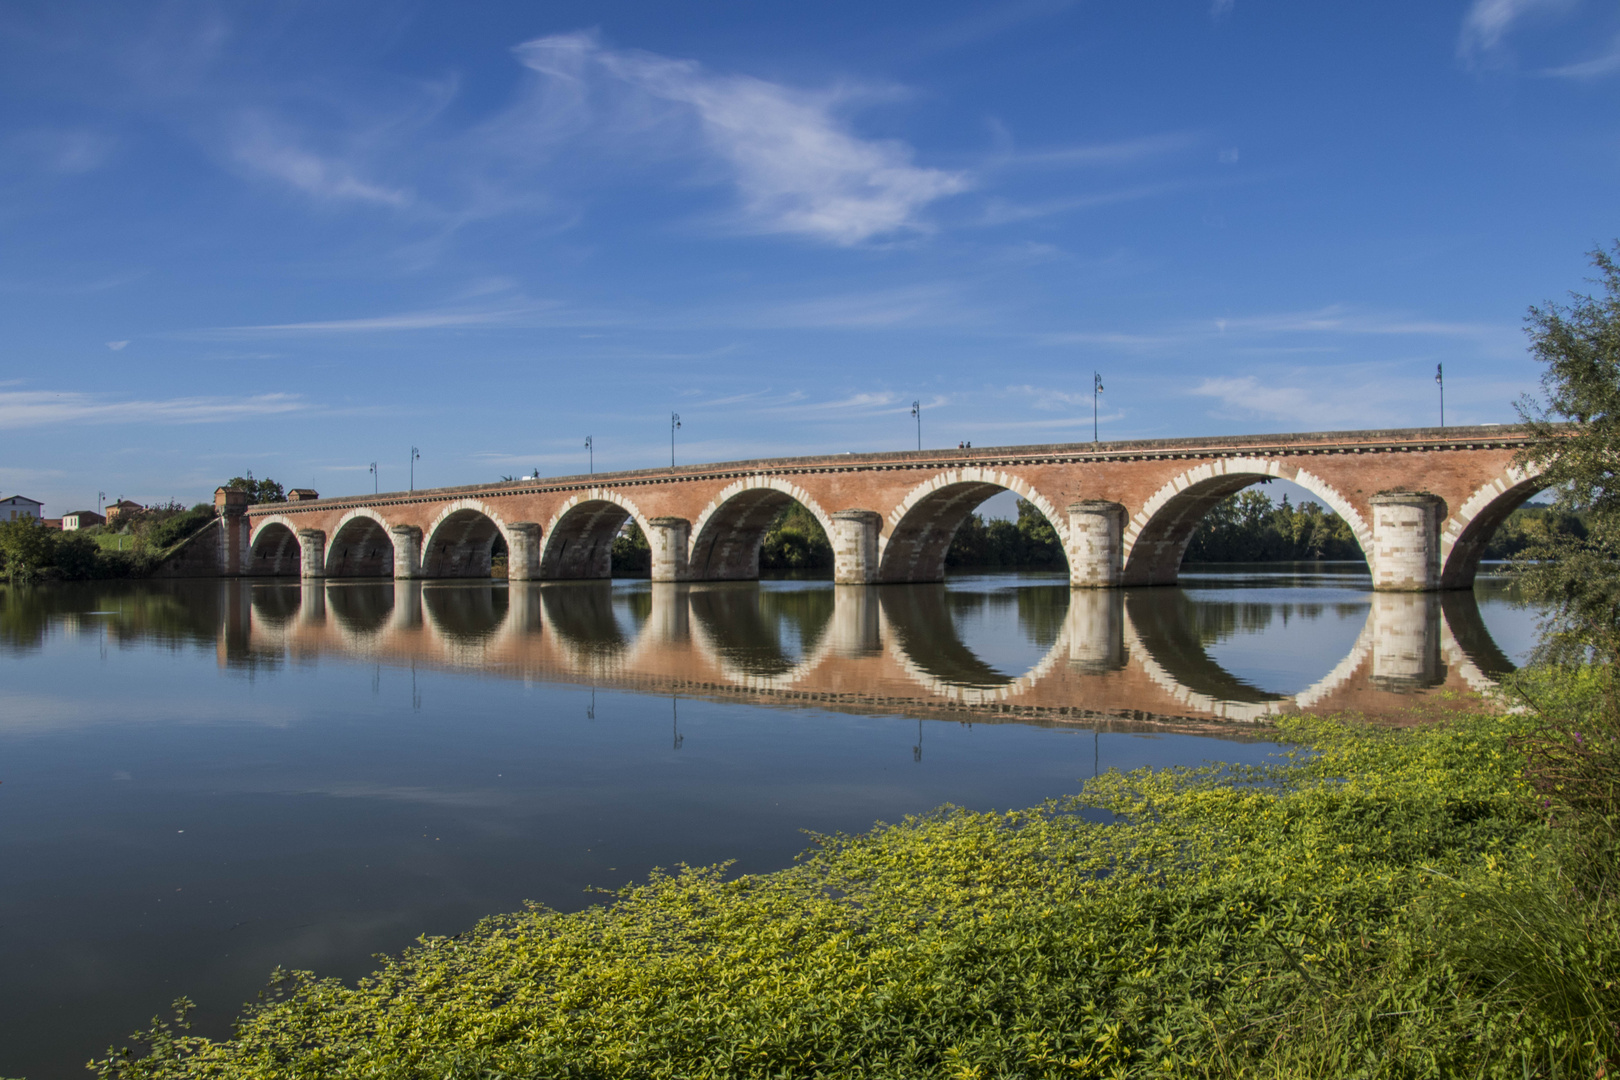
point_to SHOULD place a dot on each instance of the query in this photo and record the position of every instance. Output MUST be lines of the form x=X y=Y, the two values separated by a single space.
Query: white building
x=20 y=506
x=81 y=519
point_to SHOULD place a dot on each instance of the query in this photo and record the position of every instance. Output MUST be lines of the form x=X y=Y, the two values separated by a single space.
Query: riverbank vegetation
x=30 y=551
x=1383 y=901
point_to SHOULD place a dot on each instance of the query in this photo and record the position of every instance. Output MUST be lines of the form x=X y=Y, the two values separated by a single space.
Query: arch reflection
x=1139 y=652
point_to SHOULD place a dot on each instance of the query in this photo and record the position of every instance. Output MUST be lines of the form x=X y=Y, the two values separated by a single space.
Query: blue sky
x=299 y=238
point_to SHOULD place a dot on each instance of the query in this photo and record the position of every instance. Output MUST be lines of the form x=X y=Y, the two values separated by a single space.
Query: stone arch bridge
x=1422 y=503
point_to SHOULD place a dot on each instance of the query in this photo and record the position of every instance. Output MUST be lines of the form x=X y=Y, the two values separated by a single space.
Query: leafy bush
x=165 y=529
x=631 y=552
x=1319 y=917
x=795 y=541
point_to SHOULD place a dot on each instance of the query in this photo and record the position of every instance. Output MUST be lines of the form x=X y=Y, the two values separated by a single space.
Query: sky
x=300 y=238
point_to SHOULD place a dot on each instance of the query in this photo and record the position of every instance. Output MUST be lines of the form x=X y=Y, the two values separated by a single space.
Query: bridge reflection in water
x=1136 y=654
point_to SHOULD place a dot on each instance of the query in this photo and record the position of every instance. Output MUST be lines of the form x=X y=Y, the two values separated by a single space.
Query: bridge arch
x=727 y=535
x=922 y=526
x=360 y=546
x=1157 y=536
x=274 y=549
x=1466 y=532
x=461 y=540
x=578 y=540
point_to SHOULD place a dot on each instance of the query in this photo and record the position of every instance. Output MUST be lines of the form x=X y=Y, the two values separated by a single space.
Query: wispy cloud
x=37 y=408
x=1325 y=322
x=1368 y=405
x=930 y=304
x=513 y=313
x=264 y=147
x=117 y=346
x=792 y=158
x=1006 y=211
x=61 y=151
x=1119 y=152
x=1596 y=68
x=1488 y=22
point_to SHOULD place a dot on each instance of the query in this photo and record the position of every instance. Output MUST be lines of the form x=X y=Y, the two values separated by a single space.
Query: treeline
x=1030 y=542
x=1249 y=527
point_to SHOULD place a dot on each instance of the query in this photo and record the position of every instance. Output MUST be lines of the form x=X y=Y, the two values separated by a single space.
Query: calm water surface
x=201 y=781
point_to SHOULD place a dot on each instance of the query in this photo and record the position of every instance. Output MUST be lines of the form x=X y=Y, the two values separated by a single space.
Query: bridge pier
x=855 y=546
x=407 y=551
x=668 y=541
x=312 y=553
x=1096 y=544
x=523 y=551
x=1406 y=541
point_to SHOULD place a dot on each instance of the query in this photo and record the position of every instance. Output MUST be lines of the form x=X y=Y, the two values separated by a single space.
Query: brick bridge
x=1422 y=503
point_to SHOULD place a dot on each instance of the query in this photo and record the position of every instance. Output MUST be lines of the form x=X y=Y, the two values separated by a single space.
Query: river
x=201 y=781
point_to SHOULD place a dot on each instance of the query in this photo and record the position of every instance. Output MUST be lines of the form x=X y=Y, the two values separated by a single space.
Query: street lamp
x=101 y=497
x=374 y=478
x=415 y=455
x=916 y=411
x=590 y=449
x=674 y=423
x=1096 y=388
x=1440 y=378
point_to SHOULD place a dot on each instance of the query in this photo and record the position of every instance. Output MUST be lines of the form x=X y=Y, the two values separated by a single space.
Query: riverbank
x=1389 y=901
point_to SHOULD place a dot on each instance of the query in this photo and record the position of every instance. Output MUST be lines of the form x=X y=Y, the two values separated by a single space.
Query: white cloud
x=1488 y=22
x=796 y=165
x=1596 y=68
x=37 y=408
x=117 y=346
x=1368 y=405
x=262 y=147
x=65 y=152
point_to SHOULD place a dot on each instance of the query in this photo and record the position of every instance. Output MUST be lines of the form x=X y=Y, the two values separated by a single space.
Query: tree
x=1575 y=441
x=260 y=491
x=27 y=548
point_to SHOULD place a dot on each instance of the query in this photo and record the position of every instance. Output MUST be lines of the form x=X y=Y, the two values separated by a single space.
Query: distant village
x=21 y=507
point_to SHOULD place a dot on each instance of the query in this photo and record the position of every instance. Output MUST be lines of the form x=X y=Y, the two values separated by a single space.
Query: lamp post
x=415 y=454
x=374 y=478
x=1096 y=388
x=916 y=412
x=101 y=497
x=674 y=423
x=590 y=450
x=1440 y=379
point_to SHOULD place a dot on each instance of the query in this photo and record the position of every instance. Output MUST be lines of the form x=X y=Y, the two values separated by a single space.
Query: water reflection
x=1230 y=647
x=207 y=779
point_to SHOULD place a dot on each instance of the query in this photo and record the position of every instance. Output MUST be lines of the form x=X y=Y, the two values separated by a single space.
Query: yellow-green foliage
x=1312 y=918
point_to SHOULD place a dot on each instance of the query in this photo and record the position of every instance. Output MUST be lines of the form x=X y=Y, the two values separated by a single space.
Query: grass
x=1383 y=902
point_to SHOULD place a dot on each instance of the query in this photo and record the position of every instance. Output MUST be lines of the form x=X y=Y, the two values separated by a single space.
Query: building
x=303 y=495
x=81 y=519
x=121 y=508
x=52 y=523
x=20 y=506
